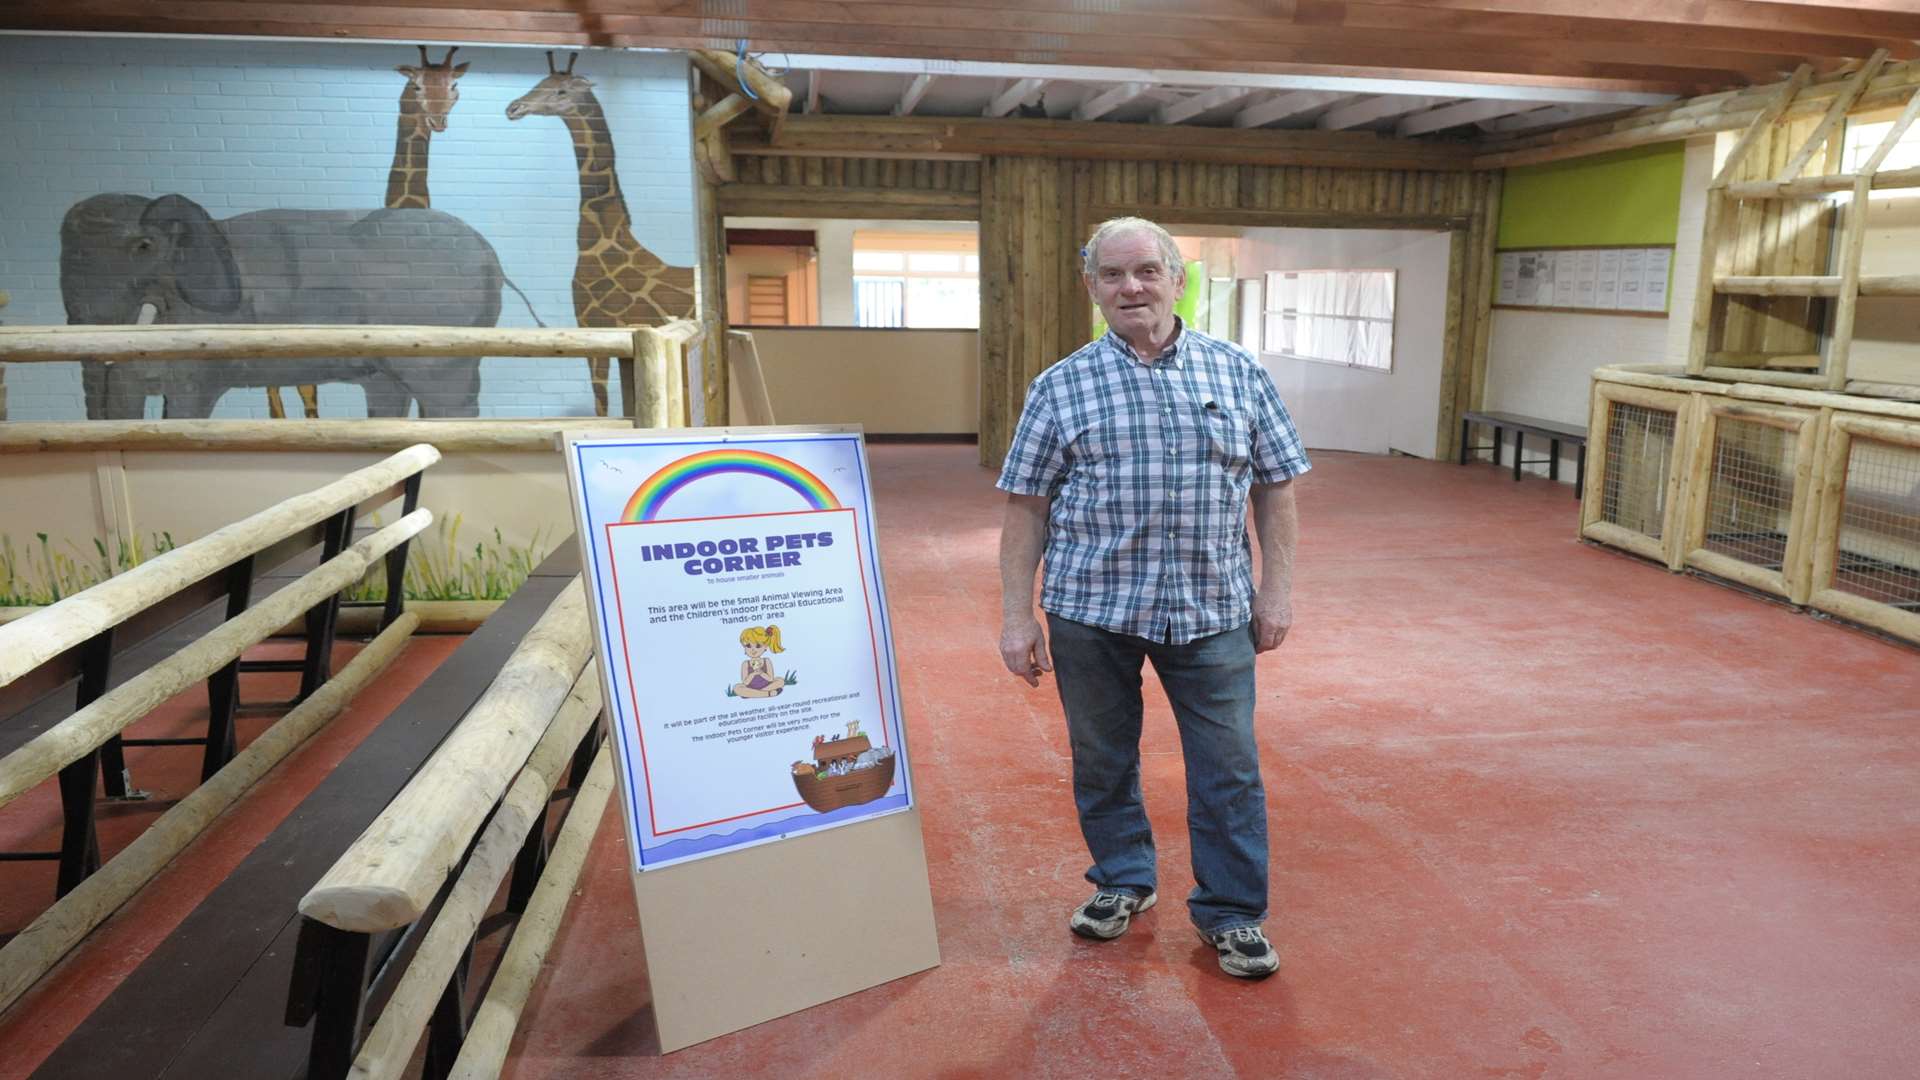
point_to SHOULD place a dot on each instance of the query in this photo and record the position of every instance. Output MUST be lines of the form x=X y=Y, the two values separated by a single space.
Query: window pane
x=940 y=262
x=1339 y=316
x=879 y=302
x=879 y=260
x=943 y=302
x=1864 y=139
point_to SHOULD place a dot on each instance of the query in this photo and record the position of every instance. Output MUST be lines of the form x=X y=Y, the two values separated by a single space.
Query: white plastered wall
x=1540 y=363
x=1343 y=408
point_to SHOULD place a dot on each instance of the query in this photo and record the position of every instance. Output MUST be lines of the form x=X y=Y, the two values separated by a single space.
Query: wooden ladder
x=1720 y=236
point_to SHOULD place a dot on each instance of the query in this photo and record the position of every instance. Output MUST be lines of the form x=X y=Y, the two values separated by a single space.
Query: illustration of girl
x=757 y=679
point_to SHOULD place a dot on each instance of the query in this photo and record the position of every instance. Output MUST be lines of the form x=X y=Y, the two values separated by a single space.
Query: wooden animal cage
x=1748 y=511
x=1809 y=496
x=1632 y=482
x=1866 y=562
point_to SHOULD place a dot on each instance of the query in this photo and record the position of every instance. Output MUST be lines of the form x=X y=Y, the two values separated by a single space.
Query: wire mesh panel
x=1879 y=549
x=1750 y=492
x=1640 y=444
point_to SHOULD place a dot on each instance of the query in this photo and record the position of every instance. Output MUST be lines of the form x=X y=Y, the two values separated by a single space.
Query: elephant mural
x=123 y=254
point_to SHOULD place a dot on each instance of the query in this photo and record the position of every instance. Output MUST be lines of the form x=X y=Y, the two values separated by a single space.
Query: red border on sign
x=620 y=613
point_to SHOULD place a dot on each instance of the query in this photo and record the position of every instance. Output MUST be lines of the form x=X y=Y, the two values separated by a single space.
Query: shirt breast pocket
x=1229 y=437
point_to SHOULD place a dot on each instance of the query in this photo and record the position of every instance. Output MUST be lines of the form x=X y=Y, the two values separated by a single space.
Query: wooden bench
x=213 y=999
x=1521 y=426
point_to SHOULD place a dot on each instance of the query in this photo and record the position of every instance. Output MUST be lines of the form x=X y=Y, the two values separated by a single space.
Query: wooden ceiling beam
x=1204 y=102
x=1321 y=22
x=870 y=136
x=1285 y=107
x=1898 y=20
x=1543 y=117
x=1013 y=97
x=1108 y=100
x=1708 y=113
x=1371 y=109
x=910 y=100
x=1689 y=70
x=1598 y=22
x=1457 y=114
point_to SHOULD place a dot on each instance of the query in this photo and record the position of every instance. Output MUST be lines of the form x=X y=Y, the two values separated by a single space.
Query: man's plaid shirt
x=1148 y=467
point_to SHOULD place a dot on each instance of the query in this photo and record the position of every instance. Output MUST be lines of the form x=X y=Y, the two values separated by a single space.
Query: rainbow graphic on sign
x=650 y=496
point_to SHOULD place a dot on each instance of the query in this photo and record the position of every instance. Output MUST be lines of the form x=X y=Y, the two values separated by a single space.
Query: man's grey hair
x=1112 y=227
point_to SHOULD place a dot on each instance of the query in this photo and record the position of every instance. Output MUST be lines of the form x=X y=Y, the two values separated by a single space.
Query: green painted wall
x=1624 y=198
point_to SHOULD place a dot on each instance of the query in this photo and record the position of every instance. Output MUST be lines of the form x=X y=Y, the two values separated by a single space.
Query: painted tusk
x=148 y=312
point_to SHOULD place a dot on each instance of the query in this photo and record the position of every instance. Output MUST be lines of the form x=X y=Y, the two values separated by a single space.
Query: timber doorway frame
x=1034 y=212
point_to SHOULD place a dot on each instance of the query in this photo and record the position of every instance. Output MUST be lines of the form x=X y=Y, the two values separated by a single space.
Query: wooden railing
x=651 y=359
x=388 y=929
x=75 y=641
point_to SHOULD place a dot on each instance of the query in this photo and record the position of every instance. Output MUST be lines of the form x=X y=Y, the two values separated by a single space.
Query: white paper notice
x=1606 y=285
x=1566 y=278
x=1633 y=265
x=1653 y=292
x=1586 y=272
x=1509 y=278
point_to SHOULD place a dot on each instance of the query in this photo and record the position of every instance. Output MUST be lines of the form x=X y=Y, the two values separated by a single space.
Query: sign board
x=734 y=583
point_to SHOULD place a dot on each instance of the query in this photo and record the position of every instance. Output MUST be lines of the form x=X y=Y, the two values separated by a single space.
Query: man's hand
x=1023 y=648
x=1272 y=618
x=1277 y=522
x=1023 y=536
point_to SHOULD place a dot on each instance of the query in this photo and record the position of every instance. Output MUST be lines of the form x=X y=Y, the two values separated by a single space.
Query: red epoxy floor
x=1539 y=810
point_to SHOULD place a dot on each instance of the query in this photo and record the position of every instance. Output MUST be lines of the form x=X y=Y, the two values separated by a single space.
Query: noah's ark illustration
x=845 y=771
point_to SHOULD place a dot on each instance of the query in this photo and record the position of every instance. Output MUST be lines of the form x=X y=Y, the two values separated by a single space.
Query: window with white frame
x=1863 y=139
x=916 y=280
x=1331 y=316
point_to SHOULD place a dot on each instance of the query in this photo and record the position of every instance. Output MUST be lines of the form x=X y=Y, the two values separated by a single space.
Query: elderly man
x=1131 y=470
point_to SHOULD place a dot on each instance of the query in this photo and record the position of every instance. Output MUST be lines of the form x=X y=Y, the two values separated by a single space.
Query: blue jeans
x=1210 y=685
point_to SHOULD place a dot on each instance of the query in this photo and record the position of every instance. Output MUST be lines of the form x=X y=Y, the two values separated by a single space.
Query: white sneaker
x=1244 y=952
x=1106 y=916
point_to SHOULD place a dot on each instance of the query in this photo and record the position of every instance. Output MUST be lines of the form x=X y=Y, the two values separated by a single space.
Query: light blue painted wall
x=248 y=125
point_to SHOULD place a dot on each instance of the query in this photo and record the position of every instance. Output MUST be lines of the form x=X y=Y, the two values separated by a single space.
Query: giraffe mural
x=429 y=95
x=424 y=103
x=616 y=281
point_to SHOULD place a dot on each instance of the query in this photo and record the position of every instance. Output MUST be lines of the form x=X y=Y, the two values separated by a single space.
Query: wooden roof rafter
x=1520 y=38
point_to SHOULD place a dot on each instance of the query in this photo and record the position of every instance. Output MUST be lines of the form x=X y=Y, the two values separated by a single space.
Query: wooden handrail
x=71 y=739
x=204 y=342
x=485 y=1048
x=29 y=642
x=34 y=951
x=389 y=876
x=448 y=436
x=389 y=1046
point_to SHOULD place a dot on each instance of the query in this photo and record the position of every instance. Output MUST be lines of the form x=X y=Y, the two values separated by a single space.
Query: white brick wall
x=241 y=126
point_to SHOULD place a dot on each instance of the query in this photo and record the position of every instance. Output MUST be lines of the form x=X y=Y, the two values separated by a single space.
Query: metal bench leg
x=1580 y=473
x=323 y=617
x=1519 y=441
x=1466 y=439
x=1553 y=459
